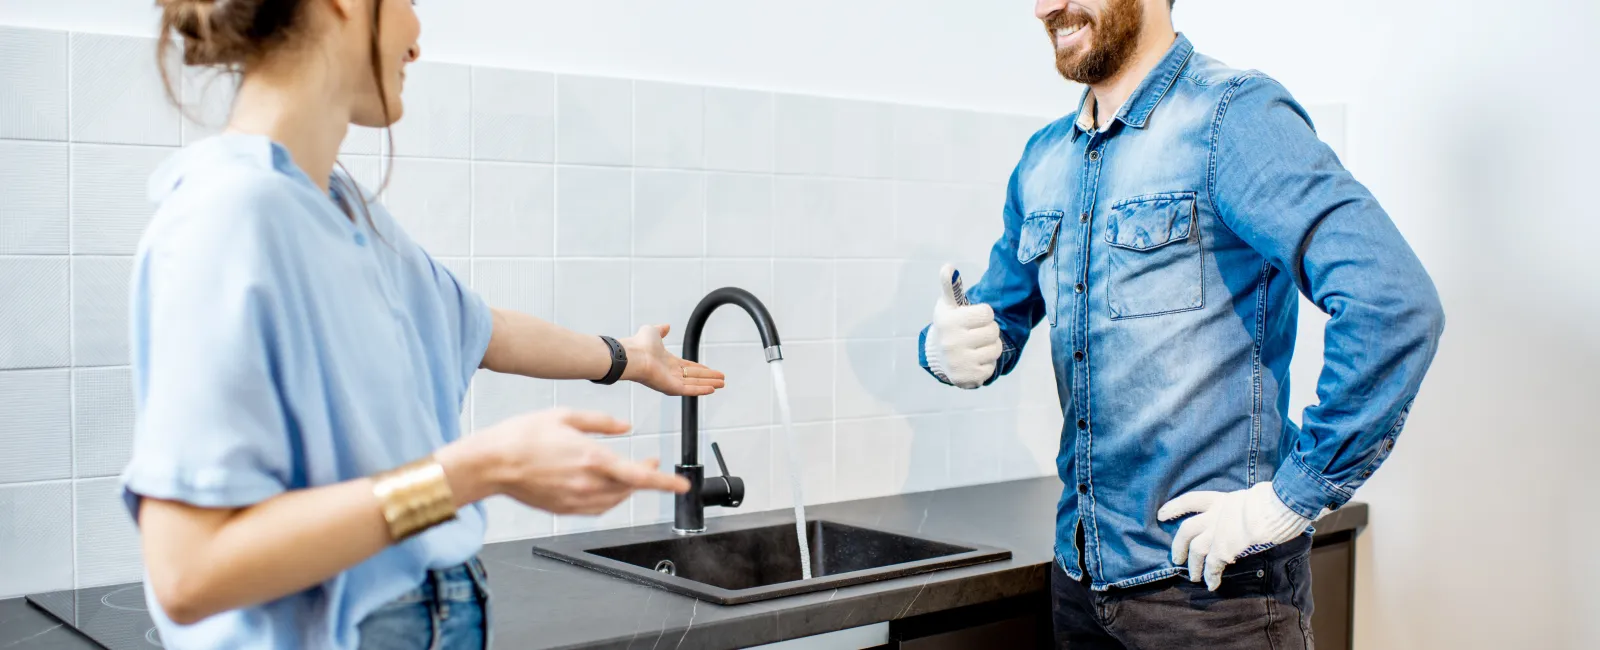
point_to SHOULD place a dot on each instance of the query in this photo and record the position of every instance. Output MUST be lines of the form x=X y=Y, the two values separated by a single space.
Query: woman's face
x=397 y=47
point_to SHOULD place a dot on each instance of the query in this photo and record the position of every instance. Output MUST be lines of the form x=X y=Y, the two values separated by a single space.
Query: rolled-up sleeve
x=1285 y=193
x=212 y=429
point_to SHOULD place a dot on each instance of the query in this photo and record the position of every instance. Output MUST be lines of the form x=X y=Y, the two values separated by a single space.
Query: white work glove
x=1227 y=526
x=963 y=345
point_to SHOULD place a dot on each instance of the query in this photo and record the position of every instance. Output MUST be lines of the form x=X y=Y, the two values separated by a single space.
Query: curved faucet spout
x=690 y=507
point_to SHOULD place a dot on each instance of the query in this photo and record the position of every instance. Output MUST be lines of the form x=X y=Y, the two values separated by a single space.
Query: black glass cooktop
x=114 y=617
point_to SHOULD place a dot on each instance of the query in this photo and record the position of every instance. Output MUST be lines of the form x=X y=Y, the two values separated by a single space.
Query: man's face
x=1093 y=38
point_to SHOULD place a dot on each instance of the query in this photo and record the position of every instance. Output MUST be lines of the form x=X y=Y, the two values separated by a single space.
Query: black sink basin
x=743 y=565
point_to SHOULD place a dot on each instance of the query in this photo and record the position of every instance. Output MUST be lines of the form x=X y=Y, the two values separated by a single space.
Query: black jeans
x=1264 y=603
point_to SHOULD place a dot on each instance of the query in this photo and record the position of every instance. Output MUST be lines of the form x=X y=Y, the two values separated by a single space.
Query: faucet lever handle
x=721 y=464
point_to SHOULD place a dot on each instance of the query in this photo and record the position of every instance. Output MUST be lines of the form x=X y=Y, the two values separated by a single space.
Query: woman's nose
x=413 y=53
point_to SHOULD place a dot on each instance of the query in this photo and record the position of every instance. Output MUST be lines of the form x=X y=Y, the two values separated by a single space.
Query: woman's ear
x=346 y=9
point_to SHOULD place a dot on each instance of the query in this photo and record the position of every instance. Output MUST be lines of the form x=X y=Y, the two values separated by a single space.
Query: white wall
x=1473 y=121
x=954 y=53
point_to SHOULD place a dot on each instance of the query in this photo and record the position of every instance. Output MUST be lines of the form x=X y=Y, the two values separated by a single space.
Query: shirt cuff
x=922 y=355
x=1306 y=492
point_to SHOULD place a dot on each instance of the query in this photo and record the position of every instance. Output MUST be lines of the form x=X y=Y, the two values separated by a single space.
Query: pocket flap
x=1038 y=236
x=1151 y=221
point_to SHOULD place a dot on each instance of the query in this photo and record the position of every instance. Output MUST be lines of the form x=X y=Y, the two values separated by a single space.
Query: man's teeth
x=1067 y=31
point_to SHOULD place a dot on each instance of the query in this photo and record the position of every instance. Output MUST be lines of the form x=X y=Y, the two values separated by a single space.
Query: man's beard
x=1113 y=39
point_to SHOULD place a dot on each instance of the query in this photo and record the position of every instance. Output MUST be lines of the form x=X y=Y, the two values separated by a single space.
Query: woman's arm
x=525 y=345
x=203 y=561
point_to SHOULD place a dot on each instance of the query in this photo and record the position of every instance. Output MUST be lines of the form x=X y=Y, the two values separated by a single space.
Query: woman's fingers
x=595 y=422
x=643 y=476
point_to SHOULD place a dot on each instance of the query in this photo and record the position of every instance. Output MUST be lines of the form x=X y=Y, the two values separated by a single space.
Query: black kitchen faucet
x=725 y=490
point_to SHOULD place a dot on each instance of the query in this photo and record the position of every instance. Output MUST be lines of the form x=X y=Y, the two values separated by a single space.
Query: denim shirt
x=1168 y=250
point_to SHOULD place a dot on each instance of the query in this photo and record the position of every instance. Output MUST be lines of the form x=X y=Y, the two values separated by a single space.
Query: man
x=1164 y=230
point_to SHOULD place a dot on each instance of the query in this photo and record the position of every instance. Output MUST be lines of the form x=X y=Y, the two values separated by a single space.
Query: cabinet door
x=1332 y=588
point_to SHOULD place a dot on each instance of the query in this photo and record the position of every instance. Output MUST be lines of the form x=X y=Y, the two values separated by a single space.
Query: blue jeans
x=448 y=611
x=1264 y=604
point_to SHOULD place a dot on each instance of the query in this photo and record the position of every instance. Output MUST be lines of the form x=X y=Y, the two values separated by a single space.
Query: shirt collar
x=227 y=148
x=1136 y=112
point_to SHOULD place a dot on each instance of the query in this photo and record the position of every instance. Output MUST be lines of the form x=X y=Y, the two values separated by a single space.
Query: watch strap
x=619 y=362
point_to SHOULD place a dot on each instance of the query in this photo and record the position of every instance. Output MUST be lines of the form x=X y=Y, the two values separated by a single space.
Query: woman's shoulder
x=223 y=195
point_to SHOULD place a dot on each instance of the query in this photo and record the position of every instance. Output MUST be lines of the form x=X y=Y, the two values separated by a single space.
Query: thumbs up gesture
x=963 y=345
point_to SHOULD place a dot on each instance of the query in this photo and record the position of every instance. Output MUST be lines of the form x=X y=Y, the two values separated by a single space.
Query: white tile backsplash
x=513 y=115
x=669 y=213
x=665 y=292
x=33 y=197
x=935 y=144
x=738 y=130
x=432 y=200
x=100 y=287
x=600 y=204
x=510 y=520
x=594 y=212
x=804 y=223
x=102 y=420
x=592 y=296
x=513 y=209
x=803 y=299
x=34 y=313
x=33 y=85
x=865 y=294
x=864 y=378
x=110 y=205
x=523 y=285
x=738 y=215
x=815 y=456
x=117 y=95
x=108 y=543
x=436 y=122
x=747 y=400
x=863 y=140
x=863 y=218
x=668 y=125
x=808 y=371
x=35 y=425
x=594 y=124
x=496 y=397
x=35 y=538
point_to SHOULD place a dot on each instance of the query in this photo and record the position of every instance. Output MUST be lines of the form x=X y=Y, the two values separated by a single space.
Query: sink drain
x=667 y=567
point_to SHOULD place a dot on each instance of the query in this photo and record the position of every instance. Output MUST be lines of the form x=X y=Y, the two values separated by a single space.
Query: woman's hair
x=236 y=35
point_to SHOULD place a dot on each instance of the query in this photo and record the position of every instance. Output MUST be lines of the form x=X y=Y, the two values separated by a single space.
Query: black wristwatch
x=619 y=362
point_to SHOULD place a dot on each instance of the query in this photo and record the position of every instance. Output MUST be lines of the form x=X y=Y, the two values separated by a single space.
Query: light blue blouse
x=278 y=346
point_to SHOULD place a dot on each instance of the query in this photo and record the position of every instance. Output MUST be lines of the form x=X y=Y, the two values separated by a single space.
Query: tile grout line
x=72 y=386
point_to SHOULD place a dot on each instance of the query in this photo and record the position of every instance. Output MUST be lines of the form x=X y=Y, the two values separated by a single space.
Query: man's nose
x=1043 y=8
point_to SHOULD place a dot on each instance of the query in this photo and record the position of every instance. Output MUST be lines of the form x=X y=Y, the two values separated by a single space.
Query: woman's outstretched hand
x=548 y=461
x=650 y=364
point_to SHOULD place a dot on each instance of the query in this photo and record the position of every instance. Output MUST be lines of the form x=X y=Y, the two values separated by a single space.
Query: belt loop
x=441 y=604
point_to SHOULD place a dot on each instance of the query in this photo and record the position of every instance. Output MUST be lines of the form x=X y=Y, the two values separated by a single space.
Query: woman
x=298 y=475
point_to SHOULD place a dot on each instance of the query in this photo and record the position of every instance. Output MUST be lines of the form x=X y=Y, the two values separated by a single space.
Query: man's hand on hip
x=1227 y=526
x=964 y=343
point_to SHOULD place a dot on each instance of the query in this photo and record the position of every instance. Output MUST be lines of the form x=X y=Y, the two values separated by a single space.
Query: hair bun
x=228 y=33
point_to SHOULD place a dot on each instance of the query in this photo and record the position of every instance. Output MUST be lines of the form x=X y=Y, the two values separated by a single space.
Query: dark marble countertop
x=545 y=604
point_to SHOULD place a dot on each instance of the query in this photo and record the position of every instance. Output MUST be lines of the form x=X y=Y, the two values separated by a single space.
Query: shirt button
x=1083 y=424
x=1093 y=156
x=1083 y=218
x=1078 y=288
x=1083 y=488
x=1077 y=356
x=361 y=239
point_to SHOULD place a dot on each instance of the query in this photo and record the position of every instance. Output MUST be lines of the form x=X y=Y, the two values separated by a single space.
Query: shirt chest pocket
x=1155 y=261
x=1036 y=246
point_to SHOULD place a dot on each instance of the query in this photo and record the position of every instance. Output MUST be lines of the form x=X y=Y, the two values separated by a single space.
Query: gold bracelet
x=415 y=497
